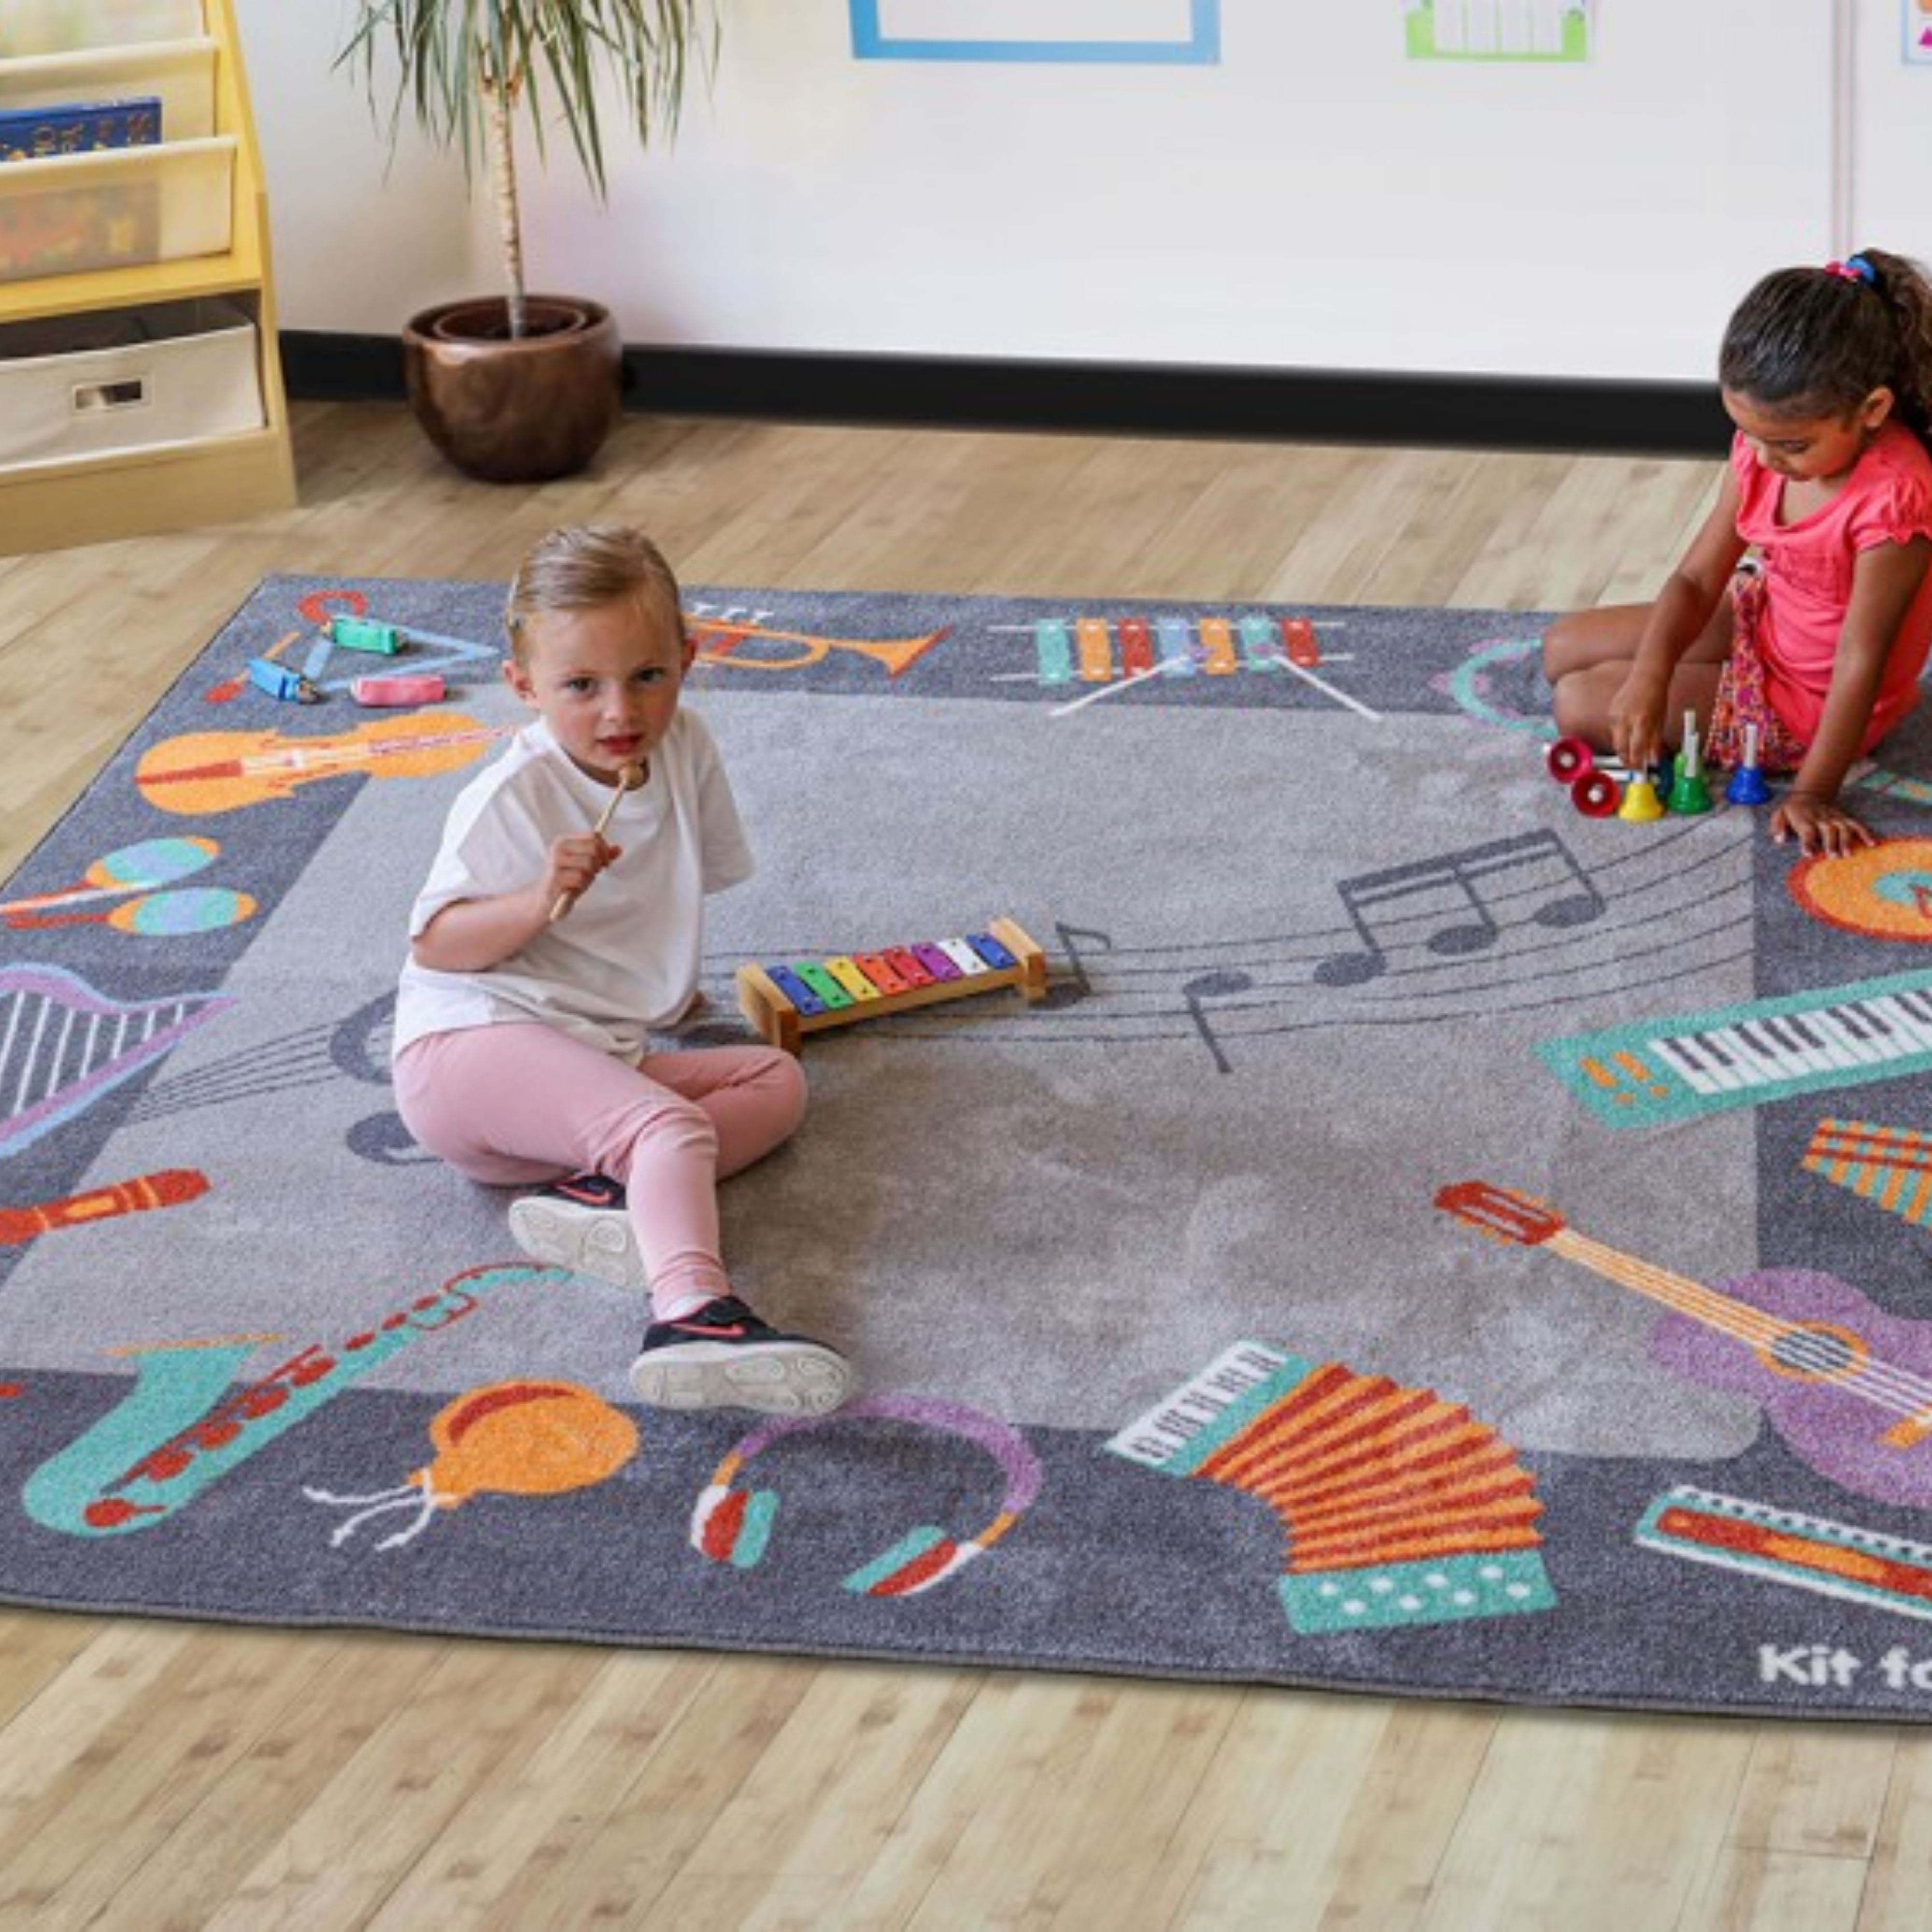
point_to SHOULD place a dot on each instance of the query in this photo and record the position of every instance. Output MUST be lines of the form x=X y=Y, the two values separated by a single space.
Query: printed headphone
x=733 y=1526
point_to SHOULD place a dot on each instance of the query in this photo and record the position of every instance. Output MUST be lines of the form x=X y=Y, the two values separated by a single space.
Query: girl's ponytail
x=1903 y=287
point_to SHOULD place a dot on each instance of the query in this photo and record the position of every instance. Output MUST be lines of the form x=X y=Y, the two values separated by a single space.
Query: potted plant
x=518 y=387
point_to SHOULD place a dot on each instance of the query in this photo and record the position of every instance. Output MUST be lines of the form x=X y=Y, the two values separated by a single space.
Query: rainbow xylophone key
x=785 y=1000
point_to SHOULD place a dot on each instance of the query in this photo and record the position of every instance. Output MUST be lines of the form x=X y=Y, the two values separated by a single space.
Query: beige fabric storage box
x=117 y=209
x=179 y=73
x=125 y=380
x=58 y=26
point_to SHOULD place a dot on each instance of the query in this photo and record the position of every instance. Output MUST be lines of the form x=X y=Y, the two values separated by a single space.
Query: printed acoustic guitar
x=1848 y=1387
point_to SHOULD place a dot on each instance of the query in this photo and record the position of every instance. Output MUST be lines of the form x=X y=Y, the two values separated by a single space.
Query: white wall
x=1314 y=200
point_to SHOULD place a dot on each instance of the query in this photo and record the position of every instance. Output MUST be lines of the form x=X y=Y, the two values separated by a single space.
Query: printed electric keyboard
x=1656 y=1073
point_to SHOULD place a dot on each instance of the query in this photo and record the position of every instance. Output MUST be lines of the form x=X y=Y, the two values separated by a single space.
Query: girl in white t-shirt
x=543 y=953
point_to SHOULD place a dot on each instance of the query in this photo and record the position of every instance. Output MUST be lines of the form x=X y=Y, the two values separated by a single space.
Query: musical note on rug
x=355 y=1048
x=1065 y=992
x=359 y=1047
x=1452 y=897
x=1216 y=986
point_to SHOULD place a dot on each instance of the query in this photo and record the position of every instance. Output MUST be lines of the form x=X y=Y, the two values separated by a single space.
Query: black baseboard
x=1283 y=405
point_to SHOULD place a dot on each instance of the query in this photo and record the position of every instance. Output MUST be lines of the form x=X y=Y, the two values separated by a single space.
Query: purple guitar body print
x=1841 y=1376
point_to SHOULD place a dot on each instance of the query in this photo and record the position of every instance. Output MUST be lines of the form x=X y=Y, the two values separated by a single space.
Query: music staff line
x=1050 y=1024
x=302 y=1059
x=1660 y=869
x=1154 y=968
x=306 y=1058
x=1237 y=981
x=1182 y=1023
x=1666 y=891
x=1200 y=975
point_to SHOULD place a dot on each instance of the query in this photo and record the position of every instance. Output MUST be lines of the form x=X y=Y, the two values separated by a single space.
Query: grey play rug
x=1427 y=1239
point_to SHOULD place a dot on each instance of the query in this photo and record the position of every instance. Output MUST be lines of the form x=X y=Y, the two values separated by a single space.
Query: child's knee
x=1574 y=709
x=1559 y=650
x=782 y=1078
x=669 y=1127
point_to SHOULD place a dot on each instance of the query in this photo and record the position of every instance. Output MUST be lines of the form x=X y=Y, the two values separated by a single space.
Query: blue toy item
x=1748 y=786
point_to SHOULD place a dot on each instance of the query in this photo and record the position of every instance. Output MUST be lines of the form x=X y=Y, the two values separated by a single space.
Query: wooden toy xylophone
x=784 y=1002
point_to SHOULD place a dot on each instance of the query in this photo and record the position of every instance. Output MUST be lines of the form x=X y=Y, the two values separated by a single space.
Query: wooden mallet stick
x=629 y=777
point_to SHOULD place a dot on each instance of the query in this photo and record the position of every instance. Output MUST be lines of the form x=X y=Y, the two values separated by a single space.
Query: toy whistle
x=278 y=681
x=422 y=687
x=364 y=634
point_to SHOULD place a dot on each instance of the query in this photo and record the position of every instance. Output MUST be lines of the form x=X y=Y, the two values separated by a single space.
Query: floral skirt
x=1741 y=702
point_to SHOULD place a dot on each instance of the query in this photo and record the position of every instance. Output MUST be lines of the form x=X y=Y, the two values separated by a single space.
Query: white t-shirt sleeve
x=492 y=843
x=726 y=854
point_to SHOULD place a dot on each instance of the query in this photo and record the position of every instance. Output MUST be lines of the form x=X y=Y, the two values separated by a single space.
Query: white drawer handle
x=93 y=398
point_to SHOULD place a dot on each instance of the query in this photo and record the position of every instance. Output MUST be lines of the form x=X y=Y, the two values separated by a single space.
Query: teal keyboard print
x=1655 y=1073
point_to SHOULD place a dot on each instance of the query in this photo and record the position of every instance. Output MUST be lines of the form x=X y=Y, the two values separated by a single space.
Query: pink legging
x=514 y=1104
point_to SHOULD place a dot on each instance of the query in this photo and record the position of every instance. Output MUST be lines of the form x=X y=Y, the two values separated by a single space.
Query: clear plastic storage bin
x=179 y=73
x=60 y=26
x=117 y=208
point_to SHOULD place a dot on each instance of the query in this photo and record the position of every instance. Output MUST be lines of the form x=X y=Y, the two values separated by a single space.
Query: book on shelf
x=78 y=128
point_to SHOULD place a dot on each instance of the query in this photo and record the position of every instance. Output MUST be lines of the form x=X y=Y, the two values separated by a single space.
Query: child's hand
x=1636 y=721
x=1818 y=824
x=573 y=863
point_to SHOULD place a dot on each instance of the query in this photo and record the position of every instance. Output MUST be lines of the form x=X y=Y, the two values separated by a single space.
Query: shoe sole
x=586 y=1240
x=775 y=1378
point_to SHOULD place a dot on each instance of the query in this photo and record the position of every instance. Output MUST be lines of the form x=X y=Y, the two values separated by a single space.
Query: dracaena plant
x=467 y=67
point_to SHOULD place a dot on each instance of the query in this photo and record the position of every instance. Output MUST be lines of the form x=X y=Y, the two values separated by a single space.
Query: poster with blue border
x=1165 y=32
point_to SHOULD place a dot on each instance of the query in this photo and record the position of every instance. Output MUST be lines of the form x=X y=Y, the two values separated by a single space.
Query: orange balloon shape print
x=515 y=1438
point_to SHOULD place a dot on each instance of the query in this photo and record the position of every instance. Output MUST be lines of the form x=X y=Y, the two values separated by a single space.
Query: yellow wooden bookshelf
x=187 y=480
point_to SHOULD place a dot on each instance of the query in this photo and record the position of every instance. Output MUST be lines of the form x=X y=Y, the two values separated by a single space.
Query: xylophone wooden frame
x=774 y=1018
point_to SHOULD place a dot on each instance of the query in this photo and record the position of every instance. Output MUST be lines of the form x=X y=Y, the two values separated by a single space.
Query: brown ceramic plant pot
x=516 y=411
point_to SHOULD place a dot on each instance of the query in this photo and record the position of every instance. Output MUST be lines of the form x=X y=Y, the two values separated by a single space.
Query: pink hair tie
x=1855 y=268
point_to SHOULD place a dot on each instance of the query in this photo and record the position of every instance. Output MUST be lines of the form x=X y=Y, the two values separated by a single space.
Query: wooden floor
x=155 y=1775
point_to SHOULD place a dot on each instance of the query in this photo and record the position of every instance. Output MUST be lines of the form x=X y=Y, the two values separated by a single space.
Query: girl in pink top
x=1827 y=374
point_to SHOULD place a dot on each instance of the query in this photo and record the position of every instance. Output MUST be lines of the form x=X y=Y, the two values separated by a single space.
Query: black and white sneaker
x=581 y=1224
x=721 y=1356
